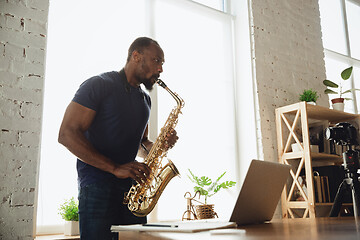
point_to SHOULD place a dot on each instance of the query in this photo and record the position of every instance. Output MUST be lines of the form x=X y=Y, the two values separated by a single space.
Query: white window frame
x=346 y=58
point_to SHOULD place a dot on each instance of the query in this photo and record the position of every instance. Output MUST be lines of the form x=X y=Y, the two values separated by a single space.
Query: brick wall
x=23 y=28
x=288 y=57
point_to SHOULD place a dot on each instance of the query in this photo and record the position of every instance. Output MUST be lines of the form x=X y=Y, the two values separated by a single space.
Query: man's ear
x=136 y=56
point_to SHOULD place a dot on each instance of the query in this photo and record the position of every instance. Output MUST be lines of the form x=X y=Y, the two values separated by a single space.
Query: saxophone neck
x=180 y=102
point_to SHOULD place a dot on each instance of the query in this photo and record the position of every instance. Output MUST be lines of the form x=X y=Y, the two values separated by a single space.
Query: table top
x=319 y=228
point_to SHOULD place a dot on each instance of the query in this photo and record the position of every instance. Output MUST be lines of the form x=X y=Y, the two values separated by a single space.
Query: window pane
x=332 y=26
x=198 y=67
x=333 y=73
x=356 y=77
x=217 y=4
x=80 y=45
x=353 y=18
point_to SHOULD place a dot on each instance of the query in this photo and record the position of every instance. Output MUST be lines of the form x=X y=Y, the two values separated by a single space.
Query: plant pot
x=337 y=100
x=311 y=103
x=205 y=211
x=338 y=104
x=71 y=228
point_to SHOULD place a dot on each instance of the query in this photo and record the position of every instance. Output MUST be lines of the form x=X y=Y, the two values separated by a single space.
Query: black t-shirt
x=122 y=113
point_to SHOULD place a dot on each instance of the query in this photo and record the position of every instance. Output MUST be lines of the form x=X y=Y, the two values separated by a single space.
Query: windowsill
x=55 y=237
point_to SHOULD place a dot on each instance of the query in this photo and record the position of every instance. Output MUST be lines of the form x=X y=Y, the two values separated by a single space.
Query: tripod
x=349 y=183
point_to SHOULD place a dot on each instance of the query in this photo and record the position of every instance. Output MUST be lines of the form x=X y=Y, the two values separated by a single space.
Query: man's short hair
x=139 y=45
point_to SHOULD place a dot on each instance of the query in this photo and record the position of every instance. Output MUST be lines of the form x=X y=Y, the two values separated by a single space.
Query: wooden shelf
x=292 y=126
x=321 y=113
x=302 y=204
x=330 y=204
x=323 y=156
x=315 y=156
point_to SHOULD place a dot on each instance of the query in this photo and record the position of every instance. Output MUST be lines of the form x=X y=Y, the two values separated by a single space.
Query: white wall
x=22 y=57
x=288 y=58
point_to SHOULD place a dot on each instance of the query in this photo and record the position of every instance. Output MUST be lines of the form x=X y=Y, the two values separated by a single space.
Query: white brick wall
x=23 y=28
x=289 y=58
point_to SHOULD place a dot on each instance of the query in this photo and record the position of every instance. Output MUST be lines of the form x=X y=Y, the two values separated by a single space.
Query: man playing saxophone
x=105 y=126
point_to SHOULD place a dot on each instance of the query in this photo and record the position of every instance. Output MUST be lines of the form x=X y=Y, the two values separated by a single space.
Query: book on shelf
x=317 y=187
x=321 y=188
x=325 y=188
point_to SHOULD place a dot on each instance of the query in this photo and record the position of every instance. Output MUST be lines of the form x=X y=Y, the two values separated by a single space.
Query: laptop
x=260 y=192
x=256 y=202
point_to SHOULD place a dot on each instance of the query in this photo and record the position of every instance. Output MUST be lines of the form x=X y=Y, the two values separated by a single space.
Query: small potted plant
x=338 y=103
x=310 y=96
x=69 y=212
x=207 y=188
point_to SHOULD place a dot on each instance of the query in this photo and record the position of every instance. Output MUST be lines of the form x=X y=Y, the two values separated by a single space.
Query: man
x=104 y=126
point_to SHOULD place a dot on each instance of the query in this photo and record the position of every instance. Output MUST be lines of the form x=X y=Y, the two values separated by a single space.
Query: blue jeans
x=100 y=206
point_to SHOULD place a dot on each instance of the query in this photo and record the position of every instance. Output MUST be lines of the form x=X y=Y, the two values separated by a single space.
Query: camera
x=345 y=134
x=342 y=134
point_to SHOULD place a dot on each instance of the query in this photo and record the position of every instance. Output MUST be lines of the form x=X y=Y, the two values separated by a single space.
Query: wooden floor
x=347 y=228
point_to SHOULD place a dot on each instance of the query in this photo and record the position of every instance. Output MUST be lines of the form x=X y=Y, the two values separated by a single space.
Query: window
x=198 y=53
x=216 y=4
x=353 y=18
x=80 y=44
x=199 y=68
x=341 y=39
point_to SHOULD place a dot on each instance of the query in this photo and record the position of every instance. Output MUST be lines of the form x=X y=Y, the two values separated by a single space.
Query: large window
x=341 y=39
x=220 y=5
x=80 y=45
x=199 y=68
x=91 y=37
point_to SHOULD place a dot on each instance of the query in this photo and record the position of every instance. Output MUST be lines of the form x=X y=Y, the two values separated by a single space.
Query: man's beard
x=148 y=84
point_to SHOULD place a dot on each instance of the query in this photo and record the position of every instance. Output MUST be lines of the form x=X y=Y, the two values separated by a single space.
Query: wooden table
x=347 y=228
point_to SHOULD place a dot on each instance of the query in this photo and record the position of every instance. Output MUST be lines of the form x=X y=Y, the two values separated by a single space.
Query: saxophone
x=142 y=198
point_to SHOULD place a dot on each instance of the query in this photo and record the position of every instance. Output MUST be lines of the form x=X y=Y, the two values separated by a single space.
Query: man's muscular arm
x=76 y=121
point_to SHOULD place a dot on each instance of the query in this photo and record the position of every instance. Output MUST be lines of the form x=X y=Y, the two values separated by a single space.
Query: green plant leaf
x=329 y=91
x=228 y=184
x=346 y=73
x=206 y=187
x=329 y=83
x=195 y=179
x=201 y=190
x=216 y=182
x=350 y=90
x=216 y=189
x=347 y=91
x=69 y=210
x=205 y=181
x=224 y=185
x=309 y=95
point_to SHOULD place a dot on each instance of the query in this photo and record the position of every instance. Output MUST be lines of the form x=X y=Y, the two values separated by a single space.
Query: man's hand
x=135 y=170
x=170 y=139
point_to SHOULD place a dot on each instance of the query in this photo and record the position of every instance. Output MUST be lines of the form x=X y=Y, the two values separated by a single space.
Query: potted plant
x=69 y=212
x=338 y=103
x=207 y=188
x=310 y=96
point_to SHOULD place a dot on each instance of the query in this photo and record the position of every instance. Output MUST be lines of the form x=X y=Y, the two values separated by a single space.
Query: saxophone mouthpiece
x=161 y=83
